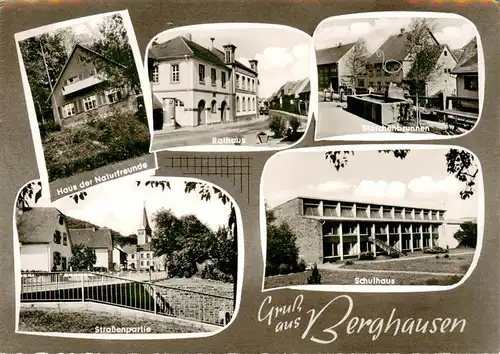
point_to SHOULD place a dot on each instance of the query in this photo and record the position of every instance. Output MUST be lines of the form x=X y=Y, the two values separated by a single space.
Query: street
x=333 y=121
x=203 y=135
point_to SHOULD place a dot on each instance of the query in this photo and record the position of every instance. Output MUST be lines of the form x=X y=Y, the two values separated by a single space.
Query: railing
x=127 y=293
x=384 y=245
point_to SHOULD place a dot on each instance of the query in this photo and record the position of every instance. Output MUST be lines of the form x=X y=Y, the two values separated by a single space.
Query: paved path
x=203 y=135
x=333 y=121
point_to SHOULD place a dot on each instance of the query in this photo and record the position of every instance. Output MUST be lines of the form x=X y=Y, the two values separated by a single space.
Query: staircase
x=384 y=245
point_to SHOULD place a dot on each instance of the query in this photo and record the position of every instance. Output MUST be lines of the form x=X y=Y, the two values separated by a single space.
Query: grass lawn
x=454 y=264
x=71 y=150
x=331 y=277
x=51 y=320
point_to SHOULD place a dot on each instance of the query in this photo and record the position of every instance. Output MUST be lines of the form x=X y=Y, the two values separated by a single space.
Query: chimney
x=212 y=43
x=253 y=65
x=229 y=50
x=188 y=37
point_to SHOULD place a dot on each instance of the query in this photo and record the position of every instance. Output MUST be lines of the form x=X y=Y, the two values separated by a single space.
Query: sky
x=119 y=204
x=451 y=31
x=419 y=180
x=283 y=54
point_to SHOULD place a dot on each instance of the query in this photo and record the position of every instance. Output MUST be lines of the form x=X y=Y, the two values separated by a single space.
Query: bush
x=211 y=272
x=294 y=123
x=446 y=256
x=394 y=254
x=48 y=127
x=315 y=277
x=366 y=256
x=283 y=269
x=181 y=265
x=302 y=266
x=278 y=126
x=437 y=257
x=281 y=249
x=348 y=263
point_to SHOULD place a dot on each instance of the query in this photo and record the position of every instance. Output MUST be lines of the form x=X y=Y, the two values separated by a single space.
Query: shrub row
x=281 y=127
x=435 y=249
x=285 y=268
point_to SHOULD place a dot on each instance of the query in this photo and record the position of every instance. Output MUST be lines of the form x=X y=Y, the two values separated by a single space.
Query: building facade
x=141 y=256
x=467 y=73
x=81 y=90
x=335 y=230
x=101 y=241
x=44 y=240
x=197 y=85
x=333 y=70
x=392 y=62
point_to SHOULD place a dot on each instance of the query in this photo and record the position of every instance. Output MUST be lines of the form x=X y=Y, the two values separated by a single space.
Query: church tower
x=144 y=230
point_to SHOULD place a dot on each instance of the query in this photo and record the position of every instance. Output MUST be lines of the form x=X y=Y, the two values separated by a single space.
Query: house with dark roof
x=467 y=73
x=82 y=90
x=332 y=66
x=393 y=63
x=100 y=241
x=193 y=85
x=44 y=240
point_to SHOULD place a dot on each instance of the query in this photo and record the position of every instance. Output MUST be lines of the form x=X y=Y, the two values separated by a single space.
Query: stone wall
x=197 y=299
x=308 y=231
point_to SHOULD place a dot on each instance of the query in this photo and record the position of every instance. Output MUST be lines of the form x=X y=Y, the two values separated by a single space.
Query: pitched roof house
x=393 y=63
x=100 y=240
x=467 y=72
x=332 y=66
x=82 y=89
x=205 y=85
x=44 y=239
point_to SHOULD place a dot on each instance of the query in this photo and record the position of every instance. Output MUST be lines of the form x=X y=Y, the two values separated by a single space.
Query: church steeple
x=144 y=230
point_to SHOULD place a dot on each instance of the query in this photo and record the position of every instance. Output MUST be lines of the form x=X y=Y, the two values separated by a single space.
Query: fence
x=127 y=293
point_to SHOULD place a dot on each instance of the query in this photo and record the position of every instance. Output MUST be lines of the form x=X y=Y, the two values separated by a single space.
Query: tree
x=315 y=277
x=467 y=235
x=282 y=255
x=356 y=62
x=113 y=44
x=44 y=56
x=29 y=195
x=423 y=56
x=82 y=257
x=459 y=163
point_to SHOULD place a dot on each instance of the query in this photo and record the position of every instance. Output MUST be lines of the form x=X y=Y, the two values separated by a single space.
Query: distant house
x=467 y=73
x=80 y=89
x=100 y=241
x=44 y=240
x=332 y=66
x=195 y=85
x=383 y=65
x=141 y=256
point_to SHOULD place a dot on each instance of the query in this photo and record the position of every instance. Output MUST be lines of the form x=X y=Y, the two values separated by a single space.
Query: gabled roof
x=333 y=54
x=468 y=61
x=71 y=56
x=97 y=239
x=130 y=249
x=181 y=47
x=395 y=48
x=302 y=86
x=37 y=225
x=432 y=57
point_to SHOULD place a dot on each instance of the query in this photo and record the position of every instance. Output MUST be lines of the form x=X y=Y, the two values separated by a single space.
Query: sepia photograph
x=372 y=217
x=234 y=85
x=148 y=256
x=84 y=94
x=405 y=72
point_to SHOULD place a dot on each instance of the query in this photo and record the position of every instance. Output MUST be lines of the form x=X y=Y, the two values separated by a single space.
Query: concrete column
x=411 y=237
x=341 y=245
x=387 y=232
x=431 y=234
x=400 y=238
x=358 y=234
x=421 y=237
x=374 y=247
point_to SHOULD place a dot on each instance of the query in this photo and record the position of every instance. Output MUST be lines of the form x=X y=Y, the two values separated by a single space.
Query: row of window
x=147 y=263
x=244 y=105
x=58 y=237
x=329 y=209
x=175 y=75
x=132 y=256
x=245 y=83
x=333 y=229
x=81 y=76
x=91 y=102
